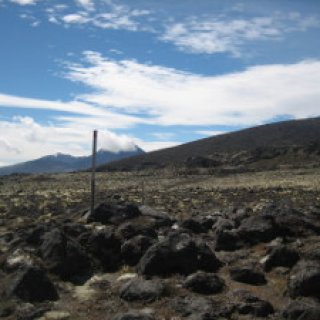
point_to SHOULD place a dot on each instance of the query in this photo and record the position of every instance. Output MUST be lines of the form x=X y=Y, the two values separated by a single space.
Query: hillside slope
x=66 y=163
x=282 y=137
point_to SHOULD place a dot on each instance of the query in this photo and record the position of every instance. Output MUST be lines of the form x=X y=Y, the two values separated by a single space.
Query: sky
x=150 y=73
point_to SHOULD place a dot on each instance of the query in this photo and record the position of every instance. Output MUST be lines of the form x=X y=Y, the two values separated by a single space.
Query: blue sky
x=152 y=73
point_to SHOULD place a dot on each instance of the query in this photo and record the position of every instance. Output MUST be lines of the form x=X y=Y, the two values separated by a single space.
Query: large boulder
x=32 y=285
x=305 y=279
x=133 y=249
x=64 y=257
x=178 y=253
x=140 y=289
x=107 y=213
x=256 y=229
x=204 y=283
x=105 y=246
x=281 y=256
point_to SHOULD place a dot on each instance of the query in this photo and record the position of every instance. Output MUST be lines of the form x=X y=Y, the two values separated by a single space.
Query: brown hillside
x=276 y=135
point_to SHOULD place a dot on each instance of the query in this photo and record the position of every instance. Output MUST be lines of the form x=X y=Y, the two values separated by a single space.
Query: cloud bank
x=172 y=97
x=125 y=94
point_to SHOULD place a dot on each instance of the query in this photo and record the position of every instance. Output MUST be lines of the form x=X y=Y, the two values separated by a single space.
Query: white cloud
x=155 y=145
x=107 y=15
x=218 y=34
x=7 y=147
x=24 y=2
x=87 y=4
x=82 y=114
x=171 y=97
x=73 y=107
x=78 y=18
x=36 y=140
x=210 y=132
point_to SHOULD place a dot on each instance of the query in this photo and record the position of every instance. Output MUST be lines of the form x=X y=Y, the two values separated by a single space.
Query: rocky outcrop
x=179 y=253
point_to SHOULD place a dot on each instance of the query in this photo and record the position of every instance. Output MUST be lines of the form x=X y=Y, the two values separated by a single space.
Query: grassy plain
x=70 y=192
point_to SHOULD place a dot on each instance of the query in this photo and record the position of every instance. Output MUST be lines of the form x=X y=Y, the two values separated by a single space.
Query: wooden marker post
x=93 y=172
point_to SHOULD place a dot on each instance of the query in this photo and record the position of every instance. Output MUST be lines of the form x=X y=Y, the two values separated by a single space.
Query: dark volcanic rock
x=178 y=253
x=312 y=250
x=291 y=222
x=133 y=249
x=193 y=225
x=228 y=240
x=256 y=307
x=34 y=236
x=106 y=213
x=281 y=256
x=74 y=230
x=252 y=305
x=238 y=215
x=129 y=230
x=160 y=219
x=105 y=246
x=305 y=279
x=32 y=285
x=64 y=257
x=142 y=290
x=204 y=283
x=247 y=275
x=257 y=229
x=197 y=307
x=134 y=315
x=223 y=224
x=302 y=310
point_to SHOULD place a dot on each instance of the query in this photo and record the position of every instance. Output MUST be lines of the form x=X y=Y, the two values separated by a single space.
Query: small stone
x=248 y=275
x=133 y=316
x=56 y=315
x=204 y=283
x=139 y=289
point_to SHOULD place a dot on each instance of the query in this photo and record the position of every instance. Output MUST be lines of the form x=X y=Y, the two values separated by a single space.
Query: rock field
x=133 y=261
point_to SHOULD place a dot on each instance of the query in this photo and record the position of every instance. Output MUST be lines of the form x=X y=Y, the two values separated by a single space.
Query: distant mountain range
x=294 y=142
x=66 y=163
